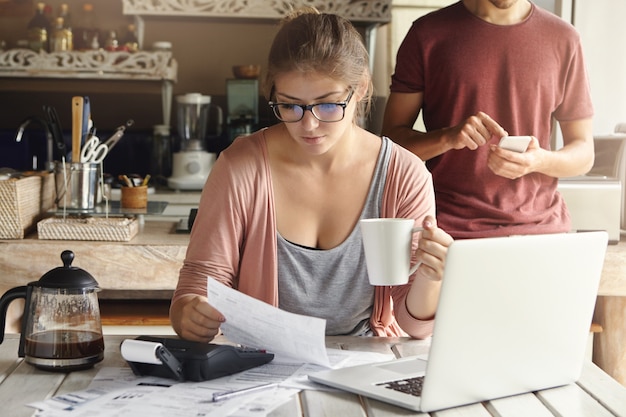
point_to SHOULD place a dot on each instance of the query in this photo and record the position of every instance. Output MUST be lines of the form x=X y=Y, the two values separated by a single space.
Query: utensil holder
x=134 y=197
x=76 y=185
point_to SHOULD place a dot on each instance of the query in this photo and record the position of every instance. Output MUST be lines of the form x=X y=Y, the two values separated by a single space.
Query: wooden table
x=147 y=268
x=596 y=394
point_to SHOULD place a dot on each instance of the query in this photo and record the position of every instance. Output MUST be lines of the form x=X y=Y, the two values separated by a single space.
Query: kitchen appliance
x=242 y=96
x=61 y=327
x=596 y=201
x=161 y=157
x=192 y=164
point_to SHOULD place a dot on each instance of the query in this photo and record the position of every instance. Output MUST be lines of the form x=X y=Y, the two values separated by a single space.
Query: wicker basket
x=22 y=202
x=117 y=229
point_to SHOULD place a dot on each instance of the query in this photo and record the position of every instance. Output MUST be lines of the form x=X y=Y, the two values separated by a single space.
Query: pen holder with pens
x=76 y=185
x=134 y=197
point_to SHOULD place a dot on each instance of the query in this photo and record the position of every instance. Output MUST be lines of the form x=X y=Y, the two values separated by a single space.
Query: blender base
x=190 y=169
x=186 y=183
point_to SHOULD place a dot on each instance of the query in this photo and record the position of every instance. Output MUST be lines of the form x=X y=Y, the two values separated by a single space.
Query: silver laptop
x=514 y=317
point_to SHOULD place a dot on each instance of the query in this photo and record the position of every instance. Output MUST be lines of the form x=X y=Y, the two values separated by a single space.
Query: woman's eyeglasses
x=324 y=112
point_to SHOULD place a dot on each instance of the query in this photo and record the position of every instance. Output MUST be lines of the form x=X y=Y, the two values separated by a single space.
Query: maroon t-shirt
x=520 y=75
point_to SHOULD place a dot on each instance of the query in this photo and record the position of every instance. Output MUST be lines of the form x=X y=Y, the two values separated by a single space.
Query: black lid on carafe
x=67 y=276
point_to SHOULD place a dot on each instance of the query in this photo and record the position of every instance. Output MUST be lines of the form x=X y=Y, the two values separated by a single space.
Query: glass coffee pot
x=61 y=327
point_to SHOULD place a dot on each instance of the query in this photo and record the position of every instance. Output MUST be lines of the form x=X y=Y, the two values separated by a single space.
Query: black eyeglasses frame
x=310 y=107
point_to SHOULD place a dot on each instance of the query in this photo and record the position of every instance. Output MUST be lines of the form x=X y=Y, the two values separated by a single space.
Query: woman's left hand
x=432 y=250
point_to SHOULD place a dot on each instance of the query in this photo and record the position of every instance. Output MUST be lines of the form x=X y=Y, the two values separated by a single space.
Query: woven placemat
x=116 y=229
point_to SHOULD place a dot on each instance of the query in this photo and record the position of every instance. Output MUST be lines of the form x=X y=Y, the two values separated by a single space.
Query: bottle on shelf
x=111 y=43
x=64 y=12
x=61 y=39
x=130 y=42
x=39 y=30
x=86 y=32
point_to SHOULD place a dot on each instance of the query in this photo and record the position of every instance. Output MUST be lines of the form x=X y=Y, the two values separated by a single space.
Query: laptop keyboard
x=411 y=386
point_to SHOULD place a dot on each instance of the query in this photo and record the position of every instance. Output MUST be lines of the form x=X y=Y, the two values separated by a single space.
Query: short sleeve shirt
x=522 y=75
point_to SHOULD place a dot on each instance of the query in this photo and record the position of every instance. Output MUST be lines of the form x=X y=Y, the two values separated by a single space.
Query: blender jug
x=192 y=164
x=193 y=113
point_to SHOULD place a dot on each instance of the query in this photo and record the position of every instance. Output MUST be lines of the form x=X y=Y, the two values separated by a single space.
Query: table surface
x=595 y=394
x=152 y=260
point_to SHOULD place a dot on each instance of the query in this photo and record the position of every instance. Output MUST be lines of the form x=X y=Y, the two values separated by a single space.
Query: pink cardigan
x=234 y=235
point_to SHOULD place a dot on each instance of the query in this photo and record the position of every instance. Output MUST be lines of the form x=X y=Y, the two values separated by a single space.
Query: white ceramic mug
x=387 y=244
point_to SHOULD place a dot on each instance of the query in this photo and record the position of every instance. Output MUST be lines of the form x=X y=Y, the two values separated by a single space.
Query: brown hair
x=310 y=41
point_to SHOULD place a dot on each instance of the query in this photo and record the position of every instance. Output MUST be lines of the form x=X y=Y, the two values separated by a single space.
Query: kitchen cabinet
x=366 y=15
x=154 y=67
x=117 y=73
x=373 y=11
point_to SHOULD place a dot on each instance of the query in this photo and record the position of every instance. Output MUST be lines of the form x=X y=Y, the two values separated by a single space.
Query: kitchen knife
x=77 y=126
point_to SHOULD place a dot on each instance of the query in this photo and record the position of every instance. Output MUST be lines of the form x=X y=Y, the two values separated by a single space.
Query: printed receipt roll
x=140 y=351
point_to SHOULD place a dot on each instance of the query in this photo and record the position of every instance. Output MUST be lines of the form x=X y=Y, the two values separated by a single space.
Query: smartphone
x=515 y=143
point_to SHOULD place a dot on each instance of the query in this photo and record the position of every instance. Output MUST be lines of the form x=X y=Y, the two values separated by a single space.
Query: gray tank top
x=332 y=284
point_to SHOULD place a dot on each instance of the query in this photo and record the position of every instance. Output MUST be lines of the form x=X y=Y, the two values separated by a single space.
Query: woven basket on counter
x=112 y=229
x=22 y=202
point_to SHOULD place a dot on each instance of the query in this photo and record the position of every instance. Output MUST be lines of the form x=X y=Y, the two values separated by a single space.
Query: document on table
x=251 y=322
x=117 y=391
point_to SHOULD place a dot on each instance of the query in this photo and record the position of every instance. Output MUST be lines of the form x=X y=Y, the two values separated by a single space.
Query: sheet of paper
x=114 y=392
x=253 y=323
x=118 y=391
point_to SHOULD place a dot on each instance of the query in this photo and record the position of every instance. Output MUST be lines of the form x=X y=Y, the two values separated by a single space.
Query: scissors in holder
x=93 y=151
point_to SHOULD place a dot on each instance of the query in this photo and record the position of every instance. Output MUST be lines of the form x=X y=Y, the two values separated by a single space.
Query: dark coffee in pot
x=64 y=349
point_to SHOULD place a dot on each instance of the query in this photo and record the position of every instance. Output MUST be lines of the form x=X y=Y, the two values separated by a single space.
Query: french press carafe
x=61 y=328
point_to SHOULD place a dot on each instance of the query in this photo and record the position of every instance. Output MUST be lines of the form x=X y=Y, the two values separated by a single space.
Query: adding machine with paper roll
x=183 y=360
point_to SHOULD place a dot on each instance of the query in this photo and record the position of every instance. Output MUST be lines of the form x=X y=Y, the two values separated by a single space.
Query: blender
x=192 y=164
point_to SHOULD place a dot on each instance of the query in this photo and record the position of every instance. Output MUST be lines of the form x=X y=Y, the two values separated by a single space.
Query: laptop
x=514 y=316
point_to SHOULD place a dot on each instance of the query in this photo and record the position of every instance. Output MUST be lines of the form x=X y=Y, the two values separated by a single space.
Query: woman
x=278 y=217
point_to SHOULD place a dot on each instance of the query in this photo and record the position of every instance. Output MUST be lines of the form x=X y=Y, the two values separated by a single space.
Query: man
x=480 y=70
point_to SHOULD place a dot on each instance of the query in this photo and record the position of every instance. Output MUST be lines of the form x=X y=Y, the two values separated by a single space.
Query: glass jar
x=161 y=161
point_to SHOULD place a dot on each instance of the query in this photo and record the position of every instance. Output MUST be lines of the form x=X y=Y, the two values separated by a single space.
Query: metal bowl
x=248 y=72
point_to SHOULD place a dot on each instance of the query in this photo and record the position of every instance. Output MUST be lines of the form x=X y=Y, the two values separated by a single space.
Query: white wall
x=602 y=26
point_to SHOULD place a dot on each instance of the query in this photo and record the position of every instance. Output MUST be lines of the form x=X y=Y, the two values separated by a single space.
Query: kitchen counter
x=151 y=260
x=147 y=268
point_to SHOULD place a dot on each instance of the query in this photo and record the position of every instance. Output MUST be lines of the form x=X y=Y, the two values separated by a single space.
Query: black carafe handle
x=12 y=294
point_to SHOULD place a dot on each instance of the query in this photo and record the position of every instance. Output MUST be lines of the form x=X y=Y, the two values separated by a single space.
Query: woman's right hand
x=193 y=318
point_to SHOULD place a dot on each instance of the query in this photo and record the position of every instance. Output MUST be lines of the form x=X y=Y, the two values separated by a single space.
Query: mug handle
x=417 y=265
